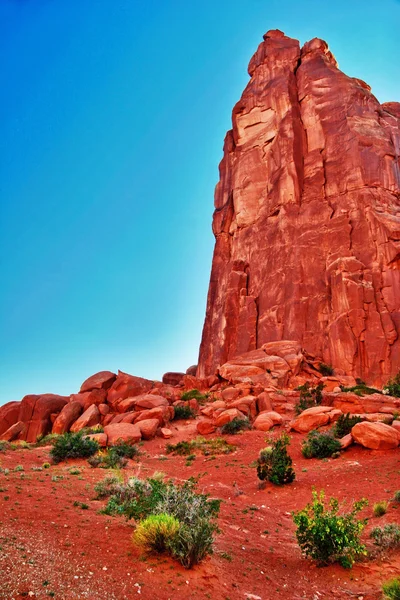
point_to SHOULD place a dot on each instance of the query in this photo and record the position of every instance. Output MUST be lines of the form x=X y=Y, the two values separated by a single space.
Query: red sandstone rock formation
x=307 y=217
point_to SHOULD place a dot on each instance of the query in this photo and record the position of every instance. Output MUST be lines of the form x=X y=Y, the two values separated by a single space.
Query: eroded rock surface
x=307 y=217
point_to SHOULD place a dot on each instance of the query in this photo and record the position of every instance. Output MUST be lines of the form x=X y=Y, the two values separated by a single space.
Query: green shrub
x=208 y=447
x=3 y=445
x=192 y=544
x=115 y=457
x=183 y=412
x=156 y=532
x=393 y=386
x=326 y=370
x=47 y=440
x=275 y=464
x=236 y=425
x=320 y=445
x=391 y=589
x=345 y=424
x=396 y=496
x=194 y=394
x=309 y=397
x=361 y=389
x=72 y=445
x=327 y=536
x=386 y=537
x=380 y=508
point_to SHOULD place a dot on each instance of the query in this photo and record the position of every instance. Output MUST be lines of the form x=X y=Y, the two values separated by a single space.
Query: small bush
x=396 y=496
x=47 y=440
x=275 y=464
x=194 y=394
x=320 y=445
x=208 y=447
x=391 y=589
x=380 y=508
x=326 y=370
x=387 y=537
x=115 y=457
x=72 y=445
x=184 y=412
x=136 y=499
x=235 y=426
x=345 y=424
x=392 y=388
x=361 y=389
x=192 y=544
x=327 y=536
x=309 y=397
x=156 y=532
x=3 y=445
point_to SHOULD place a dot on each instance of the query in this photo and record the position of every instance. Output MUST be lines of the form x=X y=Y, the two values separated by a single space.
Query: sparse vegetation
x=320 y=445
x=115 y=457
x=326 y=535
x=387 y=537
x=72 y=445
x=361 y=389
x=396 y=496
x=380 y=508
x=274 y=463
x=392 y=388
x=194 y=394
x=207 y=447
x=309 y=397
x=47 y=440
x=184 y=412
x=345 y=424
x=326 y=370
x=236 y=425
x=391 y=589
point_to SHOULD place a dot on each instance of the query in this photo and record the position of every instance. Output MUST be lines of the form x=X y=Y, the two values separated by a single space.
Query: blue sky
x=113 y=114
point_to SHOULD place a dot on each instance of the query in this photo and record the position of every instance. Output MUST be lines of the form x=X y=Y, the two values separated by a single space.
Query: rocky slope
x=307 y=217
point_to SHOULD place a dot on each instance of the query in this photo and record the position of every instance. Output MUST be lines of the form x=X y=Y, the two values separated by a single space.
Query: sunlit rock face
x=307 y=217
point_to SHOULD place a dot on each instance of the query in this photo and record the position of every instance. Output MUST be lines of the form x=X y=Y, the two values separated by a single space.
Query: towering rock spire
x=307 y=217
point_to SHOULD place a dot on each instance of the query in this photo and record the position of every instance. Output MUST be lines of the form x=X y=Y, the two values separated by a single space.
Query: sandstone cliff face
x=307 y=217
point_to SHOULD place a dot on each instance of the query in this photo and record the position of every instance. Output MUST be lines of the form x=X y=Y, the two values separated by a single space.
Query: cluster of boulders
x=260 y=386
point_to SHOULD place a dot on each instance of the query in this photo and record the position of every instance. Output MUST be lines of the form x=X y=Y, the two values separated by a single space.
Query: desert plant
x=72 y=445
x=320 y=445
x=274 y=462
x=393 y=386
x=327 y=536
x=391 y=589
x=156 y=532
x=115 y=457
x=361 y=389
x=345 y=424
x=396 y=496
x=208 y=447
x=184 y=412
x=47 y=440
x=380 y=508
x=192 y=544
x=386 y=537
x=236 y=425
x=136 y=499
x=309 y=396
x=194 y=394
x=326 y=370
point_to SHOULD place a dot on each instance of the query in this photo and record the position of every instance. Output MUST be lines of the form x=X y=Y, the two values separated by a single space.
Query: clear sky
x=113 y=114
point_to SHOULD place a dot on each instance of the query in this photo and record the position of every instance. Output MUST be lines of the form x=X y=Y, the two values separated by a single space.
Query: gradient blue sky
x=113 y=115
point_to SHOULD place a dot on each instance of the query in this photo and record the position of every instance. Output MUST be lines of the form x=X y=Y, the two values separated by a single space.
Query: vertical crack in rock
x=307 y=217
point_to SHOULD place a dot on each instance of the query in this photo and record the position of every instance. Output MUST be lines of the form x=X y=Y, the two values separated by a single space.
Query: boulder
x=142 y=402
x=165 y=433
x=264 y=402
x=127 y=386
x=346 y=441
x=376 y=436
x=100 y=438
x=172 y=378
x=148 y=428
x=68 y=415
x=102 y=380
x=161 y=413
x=122 y=432
x=13 y=432
x=89 y=418
x=275 y=417
x=192 y=370
x=263 y=422
x=9 y=414
x=228 y=415
x=312 y=418
x=86 y=399
x=205 y=427
x=35 y=411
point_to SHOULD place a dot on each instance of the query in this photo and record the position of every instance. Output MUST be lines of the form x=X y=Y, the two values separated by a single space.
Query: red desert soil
x=51 y=548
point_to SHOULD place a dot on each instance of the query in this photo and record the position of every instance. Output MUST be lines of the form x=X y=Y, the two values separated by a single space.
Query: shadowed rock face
x=307 y=217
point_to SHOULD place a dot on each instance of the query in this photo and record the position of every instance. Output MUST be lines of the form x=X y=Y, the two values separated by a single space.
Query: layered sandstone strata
x=307 y=217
